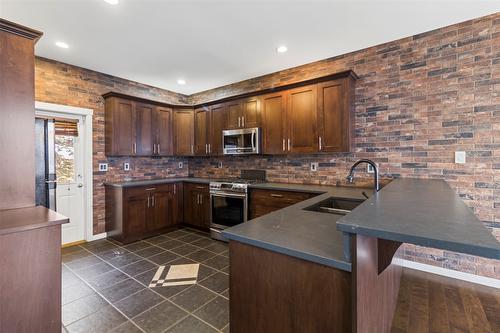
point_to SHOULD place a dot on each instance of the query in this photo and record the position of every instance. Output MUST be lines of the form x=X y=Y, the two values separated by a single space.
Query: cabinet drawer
x=265 y=201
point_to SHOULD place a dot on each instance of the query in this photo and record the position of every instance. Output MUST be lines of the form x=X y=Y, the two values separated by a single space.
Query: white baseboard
x=485 y=281
x=96 y=237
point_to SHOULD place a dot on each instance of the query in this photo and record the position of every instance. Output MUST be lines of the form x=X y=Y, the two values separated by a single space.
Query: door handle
x=192 y=149
x=206 y=148
x=80 y=185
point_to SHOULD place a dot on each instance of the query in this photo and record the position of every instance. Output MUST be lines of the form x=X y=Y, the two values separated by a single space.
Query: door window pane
x=65 y=158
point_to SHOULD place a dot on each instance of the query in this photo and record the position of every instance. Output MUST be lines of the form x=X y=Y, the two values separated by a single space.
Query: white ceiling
x=210 y=43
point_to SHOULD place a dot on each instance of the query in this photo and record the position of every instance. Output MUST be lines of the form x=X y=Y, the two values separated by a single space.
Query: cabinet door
x=201 y=127
x=233 y=114
x=191 y=201
x=301 y=119
x=143 y=128
x=120 y=128
x=274 y=123
x=217 y=123
x=162 y=204
x=333 y=116
x=163 y=131
x=179 y=203
x=184 y=132
x=250 y=116
x=134 y=223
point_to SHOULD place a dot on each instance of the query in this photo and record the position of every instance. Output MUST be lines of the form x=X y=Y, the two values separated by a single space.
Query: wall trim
x=96 y=237
x=42 y=108
x=485 y=281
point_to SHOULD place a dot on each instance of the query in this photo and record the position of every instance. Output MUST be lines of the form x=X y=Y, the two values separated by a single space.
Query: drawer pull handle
x=200 y=187
x=150 y=189
x=277 y=195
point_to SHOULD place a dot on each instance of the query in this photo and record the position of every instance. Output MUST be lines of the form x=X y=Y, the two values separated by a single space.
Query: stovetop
x=237 y=181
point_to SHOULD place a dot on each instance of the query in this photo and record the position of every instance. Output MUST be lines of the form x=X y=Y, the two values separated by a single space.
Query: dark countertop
x=422 y=212
x=149 y=182
x=24 y=219
x=307 y=235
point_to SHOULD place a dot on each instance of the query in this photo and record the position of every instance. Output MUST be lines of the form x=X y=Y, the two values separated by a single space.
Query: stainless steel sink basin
x=337 y=206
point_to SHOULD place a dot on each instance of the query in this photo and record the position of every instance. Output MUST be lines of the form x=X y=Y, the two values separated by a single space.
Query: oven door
x=227 y=209
x=241 y=141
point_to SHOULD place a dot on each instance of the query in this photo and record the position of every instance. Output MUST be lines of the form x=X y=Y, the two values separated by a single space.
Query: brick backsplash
x=418 y=100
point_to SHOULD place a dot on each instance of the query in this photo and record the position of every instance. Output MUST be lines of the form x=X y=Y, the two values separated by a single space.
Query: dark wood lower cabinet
x=139 y=212
x=197 y=206
x=263 y=202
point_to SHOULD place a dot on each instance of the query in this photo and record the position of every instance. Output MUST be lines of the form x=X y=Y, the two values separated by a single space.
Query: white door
x=69 y=191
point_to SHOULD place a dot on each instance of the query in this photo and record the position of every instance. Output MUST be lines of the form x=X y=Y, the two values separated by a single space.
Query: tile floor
x=106 y=286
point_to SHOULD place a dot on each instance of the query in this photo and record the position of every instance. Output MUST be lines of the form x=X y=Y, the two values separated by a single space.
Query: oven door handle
x=226 y=194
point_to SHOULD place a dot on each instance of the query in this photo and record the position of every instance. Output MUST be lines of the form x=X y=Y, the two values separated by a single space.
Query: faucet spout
x=350 y=177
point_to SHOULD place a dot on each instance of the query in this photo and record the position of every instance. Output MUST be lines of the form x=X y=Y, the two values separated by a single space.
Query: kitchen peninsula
x=339 y=276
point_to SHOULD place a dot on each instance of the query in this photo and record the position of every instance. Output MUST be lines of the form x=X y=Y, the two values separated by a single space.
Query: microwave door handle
x=252 y=139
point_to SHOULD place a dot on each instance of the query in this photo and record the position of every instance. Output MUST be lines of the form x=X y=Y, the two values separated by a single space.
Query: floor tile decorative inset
x=177 y=275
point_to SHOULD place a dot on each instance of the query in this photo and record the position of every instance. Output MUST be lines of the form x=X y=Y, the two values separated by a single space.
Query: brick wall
x=418 y=100
x=60 y=83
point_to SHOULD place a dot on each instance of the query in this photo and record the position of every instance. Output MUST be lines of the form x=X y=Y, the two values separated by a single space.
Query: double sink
x=336 y=206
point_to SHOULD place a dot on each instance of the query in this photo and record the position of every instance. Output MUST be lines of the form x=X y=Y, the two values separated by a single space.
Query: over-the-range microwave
x=241 y=141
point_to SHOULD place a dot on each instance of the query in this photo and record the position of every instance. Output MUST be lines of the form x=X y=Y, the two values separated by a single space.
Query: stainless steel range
x=228 y=204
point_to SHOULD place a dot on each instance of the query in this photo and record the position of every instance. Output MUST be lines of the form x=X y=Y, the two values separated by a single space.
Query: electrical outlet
x=314 y=166
x=460 y=157
x=181 y=165
x=126 y=166
x=369 y=169
x=220 y=164
x=103 y=166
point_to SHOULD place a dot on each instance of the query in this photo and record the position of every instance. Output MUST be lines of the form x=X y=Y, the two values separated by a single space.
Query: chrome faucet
x=350 y=178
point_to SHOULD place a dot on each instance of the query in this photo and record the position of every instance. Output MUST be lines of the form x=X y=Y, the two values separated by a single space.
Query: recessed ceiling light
x=282 y=49
x=112 y=2
x=181 y=82
x=62 y=45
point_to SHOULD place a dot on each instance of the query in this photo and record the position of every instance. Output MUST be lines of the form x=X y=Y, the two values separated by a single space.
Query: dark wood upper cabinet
x=218 y=120
x=233 y=111
x=143 y=130
x=162 y=125
x=119 y=127
x=335 y=101
x=302 y=120
x=201 y=130
x=250 y=115
x=274 y=129
x=184 y=132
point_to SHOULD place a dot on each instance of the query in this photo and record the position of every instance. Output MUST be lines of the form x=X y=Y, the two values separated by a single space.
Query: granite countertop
x=422 y=212
x=24 y=219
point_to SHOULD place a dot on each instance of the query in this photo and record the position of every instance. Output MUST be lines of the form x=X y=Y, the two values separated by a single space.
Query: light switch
x=460 y=157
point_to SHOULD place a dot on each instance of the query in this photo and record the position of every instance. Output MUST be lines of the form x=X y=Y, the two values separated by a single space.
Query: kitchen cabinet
x=263 y=202
x=143 y=145
x=217 y=123
x=134 y=213
x=197 y=205
x=335 y=115
x=302 y=120
x=202 y=128
x=274 y=130
x=184 y=132
x=163 y=134
x=119 y=127
x=243 y=113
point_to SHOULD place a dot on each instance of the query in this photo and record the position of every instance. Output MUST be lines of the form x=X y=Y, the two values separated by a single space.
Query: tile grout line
x=146 y=287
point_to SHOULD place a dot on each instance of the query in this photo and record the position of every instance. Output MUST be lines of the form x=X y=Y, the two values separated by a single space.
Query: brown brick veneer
x=418 y=100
